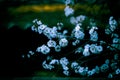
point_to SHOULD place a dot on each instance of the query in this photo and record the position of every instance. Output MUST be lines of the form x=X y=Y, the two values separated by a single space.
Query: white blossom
x=65 y=67
x=54 y=61
x=74 y=64
x=86 y=52
x=99 y=48
x=39 y=22
x=67 y=2
x=68 y=11
x=73 y=20
x=47 y=30
x=28 y=55
x=79 y=50
x=112 y=21
x=65 y=32
x=90 y=72
x=87 y=46
x=47 y=66
x=117 y=71
x=50 y=33
x=76 y=69
x=31 y=52
x=93 y=48
x=80 y=18
x=54 y=28
x=78 y=27
x=57 y=48
x=39 y=31
x=79 y=34
x=112 y=27
x=33 y=28
x=108 y=31
x=60 y=25
x=64 y=61
x=104 y=67
x=66 y=72
x=38 y=49
x=63 y=42
x=43 y=49
x=75 y=42
x=35 y=20
x=42 y=27
x=116 y=40
x=51 y=43
x=81 y=70
x=94 y=36
x=53 y=34
x=60 y=35
x=91 y=31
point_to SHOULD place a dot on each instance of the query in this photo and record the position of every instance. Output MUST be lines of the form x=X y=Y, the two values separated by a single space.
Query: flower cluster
x=68 y=11
x=79 y=41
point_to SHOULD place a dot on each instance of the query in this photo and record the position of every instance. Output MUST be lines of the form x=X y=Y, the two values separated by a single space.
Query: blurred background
x=16 y=18
x=22 y=12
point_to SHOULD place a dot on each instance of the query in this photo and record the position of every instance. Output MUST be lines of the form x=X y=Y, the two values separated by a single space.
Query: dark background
x=16 y=41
